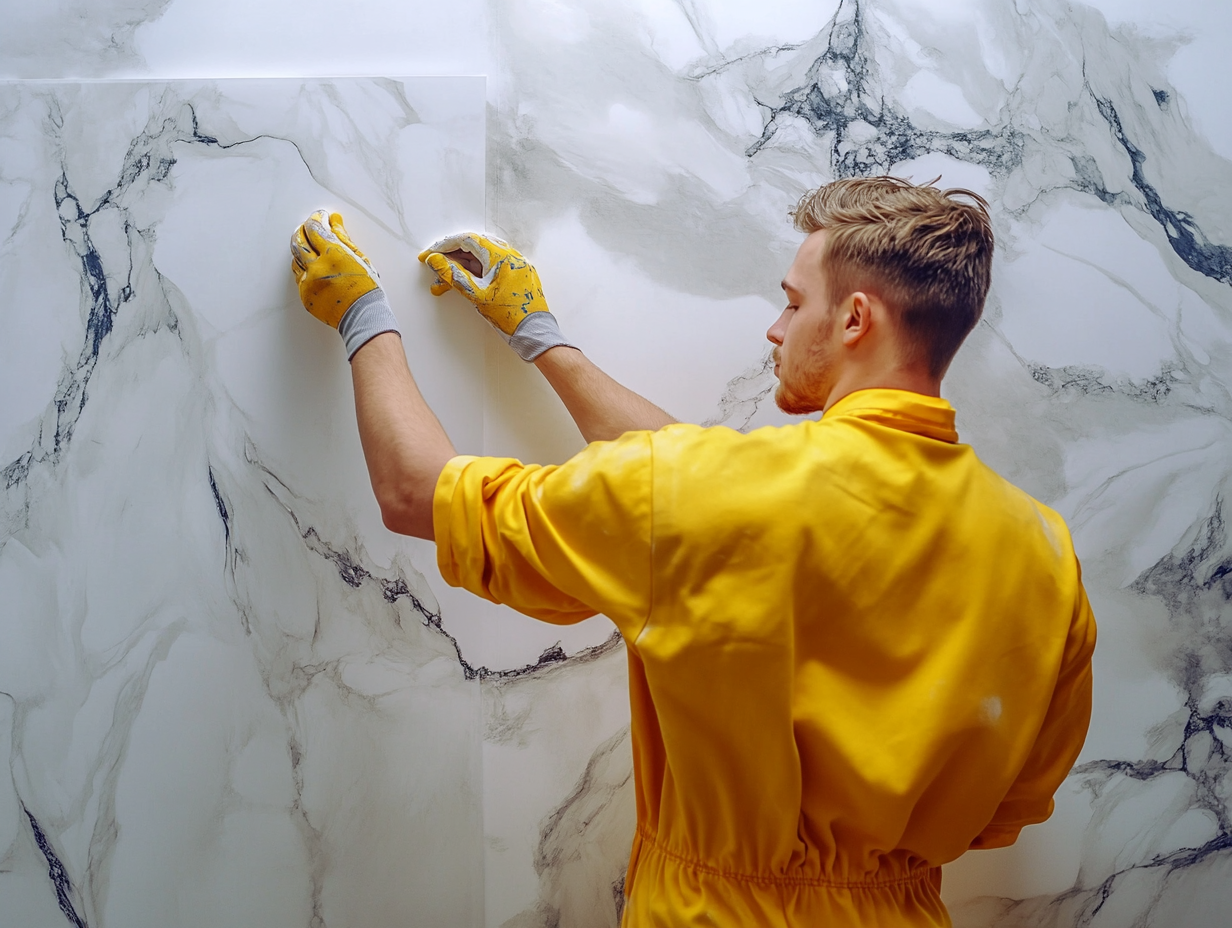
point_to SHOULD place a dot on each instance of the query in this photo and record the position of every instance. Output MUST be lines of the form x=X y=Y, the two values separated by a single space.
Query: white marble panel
x=222 y=706
x=644 y=154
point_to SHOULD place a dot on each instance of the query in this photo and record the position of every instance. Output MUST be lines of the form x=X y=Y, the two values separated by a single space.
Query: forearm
x=404 y=444
x=601 y=407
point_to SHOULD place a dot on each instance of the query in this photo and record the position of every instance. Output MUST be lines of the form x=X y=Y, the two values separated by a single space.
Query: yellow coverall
x=854 y=650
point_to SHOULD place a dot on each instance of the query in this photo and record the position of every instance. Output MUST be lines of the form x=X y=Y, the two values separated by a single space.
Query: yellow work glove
x=337 y=282
x=507 y=293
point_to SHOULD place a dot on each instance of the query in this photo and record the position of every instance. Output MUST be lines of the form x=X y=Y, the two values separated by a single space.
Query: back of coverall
x=854 y=650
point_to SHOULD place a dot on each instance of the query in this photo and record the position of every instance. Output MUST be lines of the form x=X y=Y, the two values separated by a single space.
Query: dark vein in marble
x=618 y=897
x=1196 y=587
x=149 y=159
x=839 y=107
x=607 y=774
x=1090 y=379
x=71 y=394
x=762 y=53
x=744 y=394
x=550 y=656
x=74 y=229
x=1092 y=901
x=355 y=575
x=221 y=506
x=56 y=873
x=833 y=106
x=17 y=471
x=1184 y=235
x=311 y=834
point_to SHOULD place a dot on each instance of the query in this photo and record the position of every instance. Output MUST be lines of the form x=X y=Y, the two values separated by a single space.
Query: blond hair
x=927 y=256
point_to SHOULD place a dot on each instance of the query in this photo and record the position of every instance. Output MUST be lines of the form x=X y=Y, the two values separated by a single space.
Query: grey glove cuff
x=367 y=318
x=536 y=334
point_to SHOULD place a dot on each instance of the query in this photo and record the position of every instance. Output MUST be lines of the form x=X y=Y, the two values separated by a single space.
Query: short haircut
x=925 y=254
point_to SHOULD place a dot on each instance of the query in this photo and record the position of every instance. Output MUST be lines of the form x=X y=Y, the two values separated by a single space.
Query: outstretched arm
x=505 y=288
x=404 y=444
x=601 y=407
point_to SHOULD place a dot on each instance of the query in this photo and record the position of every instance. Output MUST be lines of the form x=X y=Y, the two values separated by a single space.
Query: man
x=854 y=651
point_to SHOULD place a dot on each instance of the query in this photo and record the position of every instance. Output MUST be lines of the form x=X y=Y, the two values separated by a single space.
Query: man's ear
x=857 y=312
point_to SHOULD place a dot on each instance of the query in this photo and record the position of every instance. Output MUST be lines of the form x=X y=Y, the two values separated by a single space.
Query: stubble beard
x=798 y=404
x=791 y=404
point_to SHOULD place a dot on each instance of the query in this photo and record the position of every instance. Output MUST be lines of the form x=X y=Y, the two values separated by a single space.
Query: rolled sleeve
x=558 y=543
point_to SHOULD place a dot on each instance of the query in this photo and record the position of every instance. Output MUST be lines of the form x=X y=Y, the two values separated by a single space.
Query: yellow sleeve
x=558 y=543
x=1029 y=800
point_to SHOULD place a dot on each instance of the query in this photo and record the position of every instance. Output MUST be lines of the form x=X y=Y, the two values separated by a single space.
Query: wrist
x=559 y=357
x=368 y=317
x=535 y=335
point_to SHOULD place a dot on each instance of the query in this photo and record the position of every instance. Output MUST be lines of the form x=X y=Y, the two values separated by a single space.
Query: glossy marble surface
x=222 y=708
x=232 y=698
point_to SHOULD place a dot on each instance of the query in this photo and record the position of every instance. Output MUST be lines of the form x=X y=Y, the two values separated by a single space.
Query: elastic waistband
x=649 y=845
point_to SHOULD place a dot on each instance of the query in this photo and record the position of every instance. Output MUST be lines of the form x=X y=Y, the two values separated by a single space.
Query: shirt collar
x=930 y=416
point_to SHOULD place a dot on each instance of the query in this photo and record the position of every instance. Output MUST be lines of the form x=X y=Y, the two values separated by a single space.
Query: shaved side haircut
x=923 y=251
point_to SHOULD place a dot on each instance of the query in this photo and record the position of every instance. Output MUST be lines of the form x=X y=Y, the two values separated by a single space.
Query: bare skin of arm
x=601 y=407
x=406 y=447
x=404 y=444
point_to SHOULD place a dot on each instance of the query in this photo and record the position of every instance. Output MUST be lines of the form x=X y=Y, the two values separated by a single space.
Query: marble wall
x=228 y=696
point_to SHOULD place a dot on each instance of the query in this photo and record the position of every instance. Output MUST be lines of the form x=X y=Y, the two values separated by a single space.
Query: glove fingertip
x=320 y=220
x=442 y=245
x=317 y=236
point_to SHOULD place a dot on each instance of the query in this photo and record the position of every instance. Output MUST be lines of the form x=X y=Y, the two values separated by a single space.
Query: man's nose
x=774 y=334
